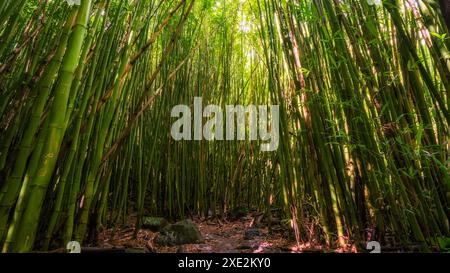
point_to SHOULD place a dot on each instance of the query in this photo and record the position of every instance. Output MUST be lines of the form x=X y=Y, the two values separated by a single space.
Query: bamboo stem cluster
x=86 y=93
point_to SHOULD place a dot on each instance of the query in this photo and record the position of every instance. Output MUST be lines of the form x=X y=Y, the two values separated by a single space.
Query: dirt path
x=220 y=237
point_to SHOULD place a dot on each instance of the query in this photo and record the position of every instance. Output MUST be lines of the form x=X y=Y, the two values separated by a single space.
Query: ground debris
x=239 y=236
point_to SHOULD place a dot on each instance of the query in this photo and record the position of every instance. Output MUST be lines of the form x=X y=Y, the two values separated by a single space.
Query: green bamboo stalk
x=39 y=185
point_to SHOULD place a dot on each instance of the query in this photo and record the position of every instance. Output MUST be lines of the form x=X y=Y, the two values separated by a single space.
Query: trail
x=219 y=237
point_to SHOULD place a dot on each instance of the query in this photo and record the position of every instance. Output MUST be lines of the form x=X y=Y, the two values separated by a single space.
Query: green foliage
x=85 y=116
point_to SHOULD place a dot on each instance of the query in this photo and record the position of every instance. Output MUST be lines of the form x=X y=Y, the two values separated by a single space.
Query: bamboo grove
x=86 y=91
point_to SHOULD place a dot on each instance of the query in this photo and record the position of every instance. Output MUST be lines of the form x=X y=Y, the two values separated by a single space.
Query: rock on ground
x=251 y=234
x=184 y=232
x=154 y=224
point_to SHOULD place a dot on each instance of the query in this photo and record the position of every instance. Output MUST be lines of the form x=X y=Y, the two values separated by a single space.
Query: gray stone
x=165 y=240
x=154 y=224
x=251 y=234
x=181 y=233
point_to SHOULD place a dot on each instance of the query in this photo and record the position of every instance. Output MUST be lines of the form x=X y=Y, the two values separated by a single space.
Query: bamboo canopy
x=87 y=88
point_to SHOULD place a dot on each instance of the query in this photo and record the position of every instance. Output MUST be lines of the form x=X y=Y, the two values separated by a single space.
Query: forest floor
x=222 y=236
x=219 y=237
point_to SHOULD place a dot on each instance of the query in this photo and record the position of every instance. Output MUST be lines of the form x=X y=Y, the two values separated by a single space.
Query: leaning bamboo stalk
x=28 y=226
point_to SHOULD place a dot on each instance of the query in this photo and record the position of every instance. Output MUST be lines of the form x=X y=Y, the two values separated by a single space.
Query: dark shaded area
x=445 y=9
